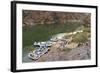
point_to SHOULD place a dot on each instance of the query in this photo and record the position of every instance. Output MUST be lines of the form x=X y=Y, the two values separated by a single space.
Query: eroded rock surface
x=57 y=53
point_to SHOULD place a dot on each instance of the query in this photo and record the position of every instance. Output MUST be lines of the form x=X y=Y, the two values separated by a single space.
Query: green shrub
x=87 y=29
x=80 y=37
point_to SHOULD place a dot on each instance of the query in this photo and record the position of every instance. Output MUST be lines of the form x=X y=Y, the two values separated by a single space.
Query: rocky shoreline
x=57 y=53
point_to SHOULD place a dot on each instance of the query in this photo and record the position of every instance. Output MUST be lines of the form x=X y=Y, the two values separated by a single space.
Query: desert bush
x=66 y=49
x=87 y=29
x=80 y=37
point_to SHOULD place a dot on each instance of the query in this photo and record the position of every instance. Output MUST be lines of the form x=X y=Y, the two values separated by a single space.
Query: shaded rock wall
x=31 y=17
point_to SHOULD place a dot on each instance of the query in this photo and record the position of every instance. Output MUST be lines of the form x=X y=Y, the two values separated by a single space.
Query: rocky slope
x=57 y=53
